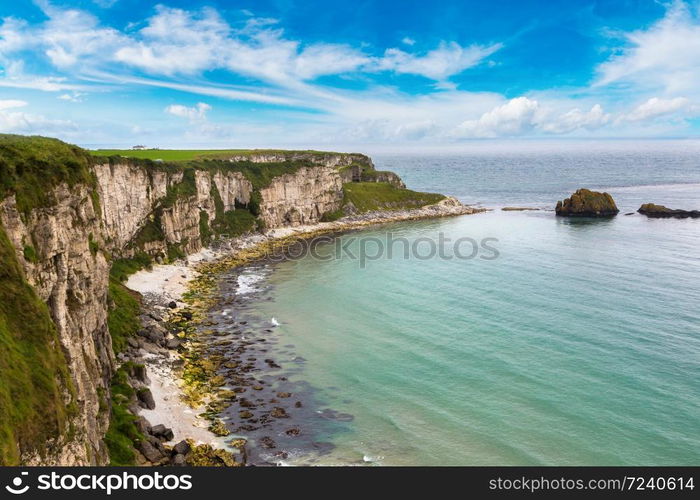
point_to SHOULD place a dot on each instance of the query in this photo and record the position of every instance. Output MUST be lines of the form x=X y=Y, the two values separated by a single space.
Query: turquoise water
x=578 y=344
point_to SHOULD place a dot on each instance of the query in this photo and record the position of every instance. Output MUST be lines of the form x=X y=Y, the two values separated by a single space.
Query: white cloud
x=408 y=41
x=665 y=57
x=656 y=107
x=177 y=41
x=11 y=103
x=197 y=113
x=515 y=117
x=72 y=97
x=576 y=119
x=525 y=116
x=446 y=60
x=71 y=36
x=21 y=122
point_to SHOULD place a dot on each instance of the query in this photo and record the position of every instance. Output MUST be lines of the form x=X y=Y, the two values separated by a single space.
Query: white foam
x=247 y=282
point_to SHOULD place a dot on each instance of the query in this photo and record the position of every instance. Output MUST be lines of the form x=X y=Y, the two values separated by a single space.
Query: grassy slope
x=369 y=196
x=122 y=432
x=33 y=370
x=30 y=166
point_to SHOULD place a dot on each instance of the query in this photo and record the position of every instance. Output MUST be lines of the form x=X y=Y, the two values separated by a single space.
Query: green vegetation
x=189 y=154
x=94 y=246
x=34 y=379
x=184 y=189
x=30 y=254
x=122 y=432
x=122 y=268
x=123 y=317
x=234 y=223
x=31 y=165
x=369 y=196
x=124 y=304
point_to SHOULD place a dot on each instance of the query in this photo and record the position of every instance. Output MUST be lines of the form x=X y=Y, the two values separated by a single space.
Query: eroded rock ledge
x=660 y=211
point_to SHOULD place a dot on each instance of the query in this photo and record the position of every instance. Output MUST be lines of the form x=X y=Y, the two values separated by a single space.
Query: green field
x=188 y=154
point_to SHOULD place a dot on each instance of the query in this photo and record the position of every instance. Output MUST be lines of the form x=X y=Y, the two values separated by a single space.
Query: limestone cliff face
x=324 y=159
x=127 y=196
x=130 y=194
x=302 y=197
x=72 y=280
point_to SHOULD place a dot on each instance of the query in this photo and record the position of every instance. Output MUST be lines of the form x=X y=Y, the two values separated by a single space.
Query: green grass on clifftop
x=34 y=376
x=31 y=165
x=189 y=154
x=370 y=196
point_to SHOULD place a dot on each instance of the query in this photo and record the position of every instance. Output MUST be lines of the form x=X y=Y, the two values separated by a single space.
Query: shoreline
x=166 y=283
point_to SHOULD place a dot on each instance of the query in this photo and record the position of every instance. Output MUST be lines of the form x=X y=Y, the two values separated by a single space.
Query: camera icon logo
x=16 y=488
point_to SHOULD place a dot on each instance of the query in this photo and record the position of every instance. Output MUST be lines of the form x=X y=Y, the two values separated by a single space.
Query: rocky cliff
x=56 y=246
x=69 y=217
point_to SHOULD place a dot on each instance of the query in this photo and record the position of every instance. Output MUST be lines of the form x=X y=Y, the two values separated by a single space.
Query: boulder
x=587 y=203
x=142 y=424
x=181 y=448
x=660 y=211
x=149 y=451
x=162 y=432
x=179 y=460
x=173 y=343
x=145 y=398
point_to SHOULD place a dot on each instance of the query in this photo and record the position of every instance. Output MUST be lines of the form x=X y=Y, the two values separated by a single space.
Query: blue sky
x=282 y=73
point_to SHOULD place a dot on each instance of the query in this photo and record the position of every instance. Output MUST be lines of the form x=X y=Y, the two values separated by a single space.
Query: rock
x=157 y=444
x=218 y=427
x=268 y=442
x=587 y=203
x=154 y=316
x=295 y=431
x=279 y=412
x=660 y=211
x=149 y=451
x=204 y=455
x=181 y=448
x=137 y=372
x=161 y=431
x=145 y=398
x=284 y=394
x=518 y=209
x=172 y=304
x=178 y=460
x=173 y=343
x=186 y=315
x=142 y=424
x=245 y=414
x=155 y=335
x=132 y=342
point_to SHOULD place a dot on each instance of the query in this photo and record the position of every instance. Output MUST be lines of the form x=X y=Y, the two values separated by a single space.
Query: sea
x=501 y=338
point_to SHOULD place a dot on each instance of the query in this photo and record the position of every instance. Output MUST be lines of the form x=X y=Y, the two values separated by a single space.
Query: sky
x=322 y=74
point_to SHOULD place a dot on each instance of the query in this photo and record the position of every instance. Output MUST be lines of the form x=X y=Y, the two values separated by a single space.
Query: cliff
x=72 y=225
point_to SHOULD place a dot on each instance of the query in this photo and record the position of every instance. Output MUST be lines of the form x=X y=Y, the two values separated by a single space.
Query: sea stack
x=660 y=211
x=587 y=203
